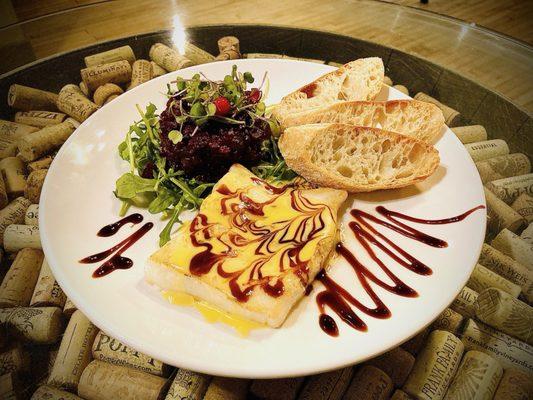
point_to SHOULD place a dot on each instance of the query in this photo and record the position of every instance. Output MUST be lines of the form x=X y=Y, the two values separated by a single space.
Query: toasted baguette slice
x=357 y=159
x=358 y=80
x=421 y=120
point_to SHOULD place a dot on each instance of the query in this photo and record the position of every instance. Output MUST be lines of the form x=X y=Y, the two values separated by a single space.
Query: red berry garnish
x=254 y=96
x=223 y=106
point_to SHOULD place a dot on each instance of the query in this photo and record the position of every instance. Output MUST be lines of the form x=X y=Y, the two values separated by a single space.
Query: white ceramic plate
x=77 y=200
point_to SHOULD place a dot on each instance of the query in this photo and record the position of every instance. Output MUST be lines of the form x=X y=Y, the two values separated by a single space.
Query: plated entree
x=267 y=186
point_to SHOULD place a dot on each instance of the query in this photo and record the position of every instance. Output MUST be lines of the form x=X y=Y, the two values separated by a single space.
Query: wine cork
x=435 y=366
x=14 y=175
x=504 y=166
x=69 y=308
x=330 y=385
x=227 y=389
x=26 y=98
x=115 y=72
x=402 y=89
x=523 y=205
x=103 y=381
x=477 y=378
x=501 y=215
x=415 y=344
x=197 y=55
x=13 y=213
x=84 y=89
x=387 y=81
x=111 y=98
x=451 y=116
x=140 y=72
x=74 y=103
x=4 y=200
x=508 y=189
x=449 y=320
x=34 y=185
x=505 y=266
x=157 y=70
x=484 y=150
x=32 y=215
x=18 y=237
x=39 y=119
x=15 y=359
x=10 y=133
x=470 y=133
x=515 y=247
x=42 y=163
x=188 y=385
x=483 y=278
x=464 y=302
x=40 y=143
x=400 y=395
x=369 y=383
x=19 y=282
x=46 y=392
x=506 y=314
x=105 y=91
x=511 y=352
x=108 y=349
x=514 y=385
x=76 y=124
x=168 y=58
x=527 y=234
x=41 y=325
x=74 y=353
x=228 y=54
x=47 y=291
x=228 y=42
x=72 y=88
x=279 y=389
x=124 y=53
x=396 y=363
x=264 y=55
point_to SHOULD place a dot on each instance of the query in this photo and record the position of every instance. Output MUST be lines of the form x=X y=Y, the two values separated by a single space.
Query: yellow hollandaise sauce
x=211 y=313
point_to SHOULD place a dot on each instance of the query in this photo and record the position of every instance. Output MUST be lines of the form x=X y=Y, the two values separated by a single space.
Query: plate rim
x=204 y=367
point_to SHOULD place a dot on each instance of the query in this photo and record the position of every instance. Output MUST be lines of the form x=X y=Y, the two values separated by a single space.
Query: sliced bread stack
x=335 y=136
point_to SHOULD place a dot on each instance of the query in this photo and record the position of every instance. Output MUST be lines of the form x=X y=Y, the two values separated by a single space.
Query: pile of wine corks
x=481 y=347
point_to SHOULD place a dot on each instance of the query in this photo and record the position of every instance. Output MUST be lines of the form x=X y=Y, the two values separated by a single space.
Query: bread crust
x=300 y=145
x=361 y=79
x=421 y=120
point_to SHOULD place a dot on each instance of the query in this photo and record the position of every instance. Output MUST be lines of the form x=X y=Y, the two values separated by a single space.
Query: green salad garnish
x=153 y=183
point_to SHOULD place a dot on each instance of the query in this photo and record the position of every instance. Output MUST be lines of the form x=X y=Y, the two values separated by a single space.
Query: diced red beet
x=214 y=147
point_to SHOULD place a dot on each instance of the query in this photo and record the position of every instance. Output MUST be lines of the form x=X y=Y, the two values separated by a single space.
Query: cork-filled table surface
x=480 y=347
x=493 y=60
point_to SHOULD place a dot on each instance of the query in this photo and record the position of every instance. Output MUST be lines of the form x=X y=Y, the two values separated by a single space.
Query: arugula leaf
x=123 y=151
x=129 y=185
x=165 y=198
x=164 y=236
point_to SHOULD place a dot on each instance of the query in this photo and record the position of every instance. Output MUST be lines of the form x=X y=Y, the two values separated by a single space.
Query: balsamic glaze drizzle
x=111 y=229
x=339 y=300
x=238 y=207
x=117 y=261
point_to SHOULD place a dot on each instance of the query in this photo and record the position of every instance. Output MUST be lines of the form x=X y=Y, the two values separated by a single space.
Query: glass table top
x=493 y=60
